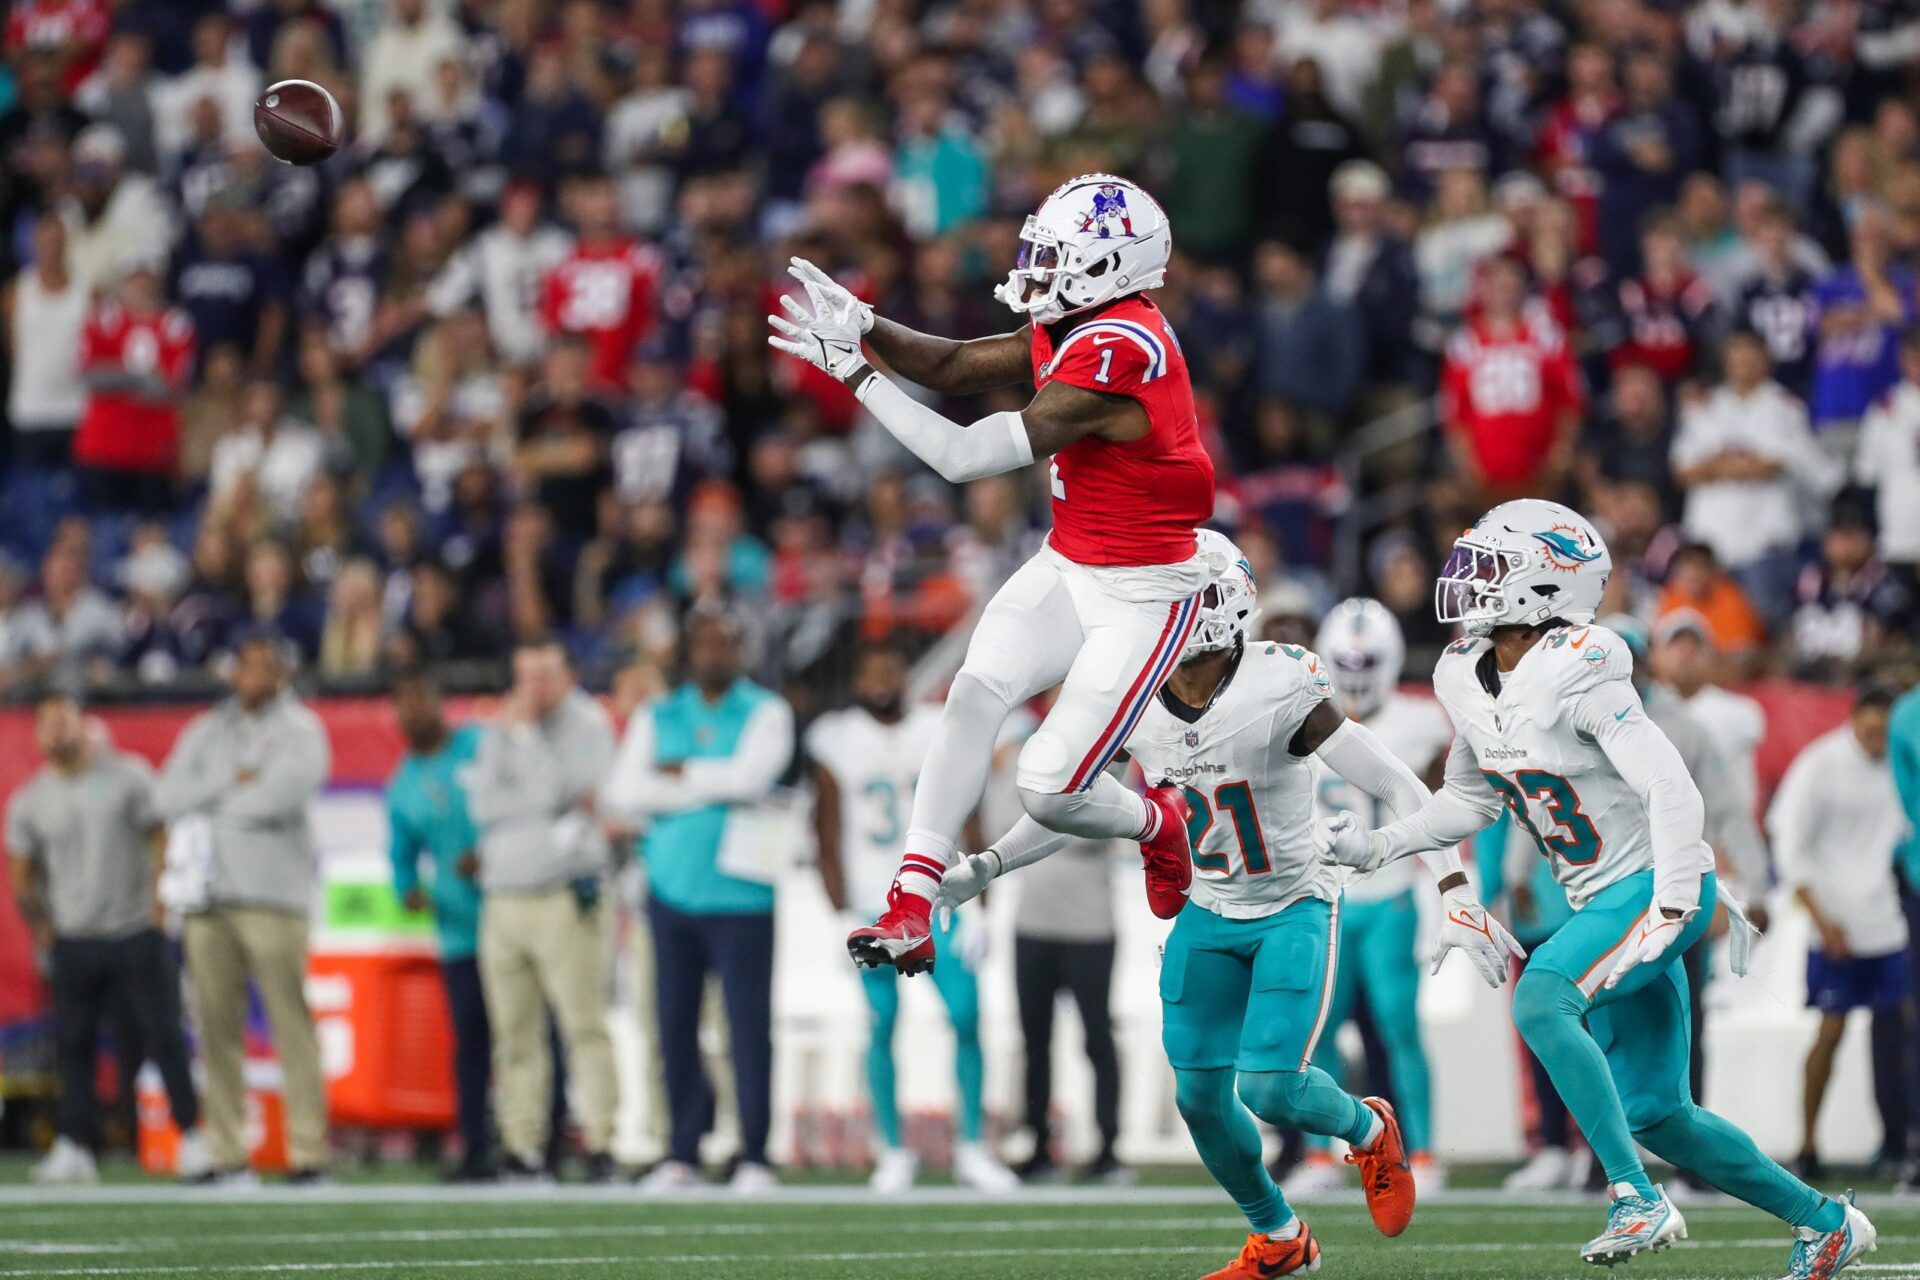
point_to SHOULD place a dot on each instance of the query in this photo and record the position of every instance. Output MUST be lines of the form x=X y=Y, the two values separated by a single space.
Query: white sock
x=952 y=780
x=1289 y=1232
x=1373 y=1134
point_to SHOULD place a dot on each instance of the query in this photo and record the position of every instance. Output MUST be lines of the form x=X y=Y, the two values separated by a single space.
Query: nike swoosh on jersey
x=1622 y=713
x=1099 y=341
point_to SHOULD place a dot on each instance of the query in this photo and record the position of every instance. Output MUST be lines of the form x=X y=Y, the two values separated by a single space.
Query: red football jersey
x=124 y=430
x=1506 y=394
x=1135 y=502
x=603 y=294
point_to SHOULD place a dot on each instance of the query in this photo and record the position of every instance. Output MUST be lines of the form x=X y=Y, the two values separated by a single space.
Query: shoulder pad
x=1112 y=353
x=1284 y=668
x=1454 y=674
x=1572 y=660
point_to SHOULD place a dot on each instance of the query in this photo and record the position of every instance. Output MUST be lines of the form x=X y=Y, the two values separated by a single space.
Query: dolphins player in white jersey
x=1247 y=974
x=1547 y=722
x=866 y=759
x=1379 y=920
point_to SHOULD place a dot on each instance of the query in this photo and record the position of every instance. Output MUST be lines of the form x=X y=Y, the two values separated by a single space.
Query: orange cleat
x=1168 y=855
x=1384 y=1174
x=903 y=937
x=1263 y=1258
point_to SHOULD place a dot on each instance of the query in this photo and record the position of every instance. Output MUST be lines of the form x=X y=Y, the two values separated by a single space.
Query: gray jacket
x=263 y=850
x=530 y=790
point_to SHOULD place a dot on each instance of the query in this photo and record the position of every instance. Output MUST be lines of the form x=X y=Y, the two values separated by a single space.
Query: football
x=299 y=122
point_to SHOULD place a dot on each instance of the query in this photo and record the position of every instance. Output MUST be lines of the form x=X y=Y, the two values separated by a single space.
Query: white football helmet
x=1094 y=239
x=1361 y=644
x=1229 y=604
x=1522 y=563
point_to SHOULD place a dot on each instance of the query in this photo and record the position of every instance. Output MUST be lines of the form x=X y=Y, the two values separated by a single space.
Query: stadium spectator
x=242 y=775
x=1511 y=395
x=46 y=312
x=1369 y=266
x=400 y=59
x=693 y=768
x=1745 y=456
x=1309 y=350
x=1863 y=305
x=114 y=218
x=65 y=634
x=1888 y=463
x=1849 y=607
x=136 y=353
x=1837 y=821
x=546 y=921
x=83 y=833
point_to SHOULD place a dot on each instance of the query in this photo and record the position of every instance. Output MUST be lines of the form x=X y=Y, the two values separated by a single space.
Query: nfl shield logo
x=1193 y=737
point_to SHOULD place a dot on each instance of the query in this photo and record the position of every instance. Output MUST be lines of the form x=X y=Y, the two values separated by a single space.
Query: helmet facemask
x=1471 y=589
x=1226 y=609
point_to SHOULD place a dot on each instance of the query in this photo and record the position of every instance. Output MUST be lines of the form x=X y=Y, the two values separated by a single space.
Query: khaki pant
x=539 y=951
x=226 y=947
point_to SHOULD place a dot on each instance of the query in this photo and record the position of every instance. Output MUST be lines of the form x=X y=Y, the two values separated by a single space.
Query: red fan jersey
x=124 y=430
x=1507 y=393
x=1134 y=502
x=603 y=294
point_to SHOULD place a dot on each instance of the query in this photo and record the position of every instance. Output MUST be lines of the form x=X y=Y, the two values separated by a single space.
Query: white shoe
x=1545 y=1170
x=233 y=1180
x=66 y=1163
x=669 y=1176
x=1579 y=1165
x=894 y=1171
x=192 y=1162
x=1822 y=1255
x=1635 y=1224
x=1429 y=1177
x=1314 y=1177
x=974 y=1166
x=753 y=1180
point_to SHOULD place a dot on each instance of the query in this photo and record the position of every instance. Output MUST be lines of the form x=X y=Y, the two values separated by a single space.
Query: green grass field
x=416 y=1233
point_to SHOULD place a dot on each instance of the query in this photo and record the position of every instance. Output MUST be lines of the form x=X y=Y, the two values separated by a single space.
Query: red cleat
x=903 y=937
x=1263 y=1259
x=1168 y=856
x=1384 y=1174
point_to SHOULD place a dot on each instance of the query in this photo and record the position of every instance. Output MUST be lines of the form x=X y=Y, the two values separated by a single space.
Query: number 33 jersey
x=1530 y=753
x=1252 y=798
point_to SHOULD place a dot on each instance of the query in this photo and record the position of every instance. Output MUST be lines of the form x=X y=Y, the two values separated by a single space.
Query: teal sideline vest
x=682 y=849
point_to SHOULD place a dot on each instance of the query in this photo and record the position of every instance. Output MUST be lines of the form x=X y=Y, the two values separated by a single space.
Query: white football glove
x=966 y=880
x=1467 y=926
x=841 y=297
x=1343 y=839
x=828 y=339
x=1651 y=937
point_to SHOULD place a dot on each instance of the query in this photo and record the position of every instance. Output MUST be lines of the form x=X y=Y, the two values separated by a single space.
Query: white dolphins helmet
x=1094 y=239
x=1522 y=563
x=1229 y=604
x=1361 y=644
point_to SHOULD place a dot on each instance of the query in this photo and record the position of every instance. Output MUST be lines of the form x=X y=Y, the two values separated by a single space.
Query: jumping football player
x=1105 y=608
x=1546 y=721
x=865 y=760
x=1247 y=975
x=1379 y=920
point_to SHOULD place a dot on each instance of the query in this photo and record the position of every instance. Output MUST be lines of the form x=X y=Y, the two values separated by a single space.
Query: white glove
x=828 y=339
x=1344 y=840
x=1652 y=937
x=821 y=285
x=966 y=880
x=1466 y=926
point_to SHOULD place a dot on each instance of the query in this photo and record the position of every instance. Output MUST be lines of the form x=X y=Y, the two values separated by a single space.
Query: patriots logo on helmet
x=1565 y=551
x=1109 y=206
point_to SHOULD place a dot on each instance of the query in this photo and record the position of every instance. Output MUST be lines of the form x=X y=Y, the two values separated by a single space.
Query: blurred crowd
x=497 y=369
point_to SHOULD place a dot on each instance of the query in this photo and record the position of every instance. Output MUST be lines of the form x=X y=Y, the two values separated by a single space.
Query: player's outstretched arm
x=939 y=364
x=1465 y=806
x=1024 y=844
x=1352 y=751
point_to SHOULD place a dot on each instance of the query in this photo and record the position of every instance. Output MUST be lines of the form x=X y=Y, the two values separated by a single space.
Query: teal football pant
x=1623 y=1071
x=1242 y=1004
x=960 y=992
x=1376 y=958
